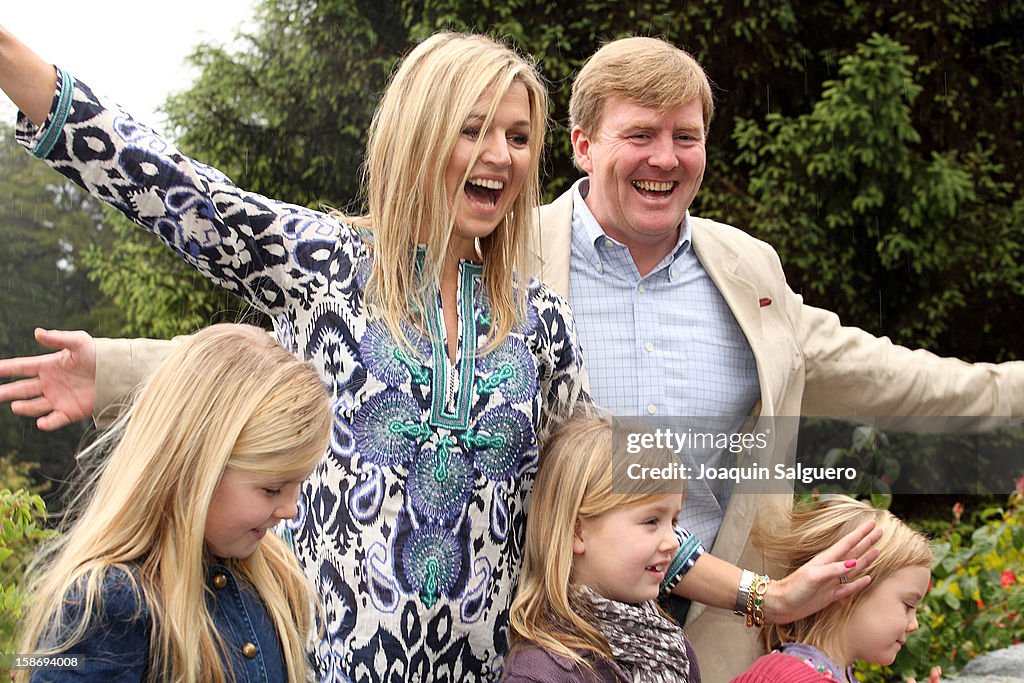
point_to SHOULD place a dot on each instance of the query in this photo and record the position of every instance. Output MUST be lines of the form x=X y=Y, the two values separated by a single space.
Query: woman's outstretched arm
x=28 y=80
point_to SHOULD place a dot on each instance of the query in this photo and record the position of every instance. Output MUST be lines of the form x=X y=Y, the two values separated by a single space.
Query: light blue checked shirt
x=662 y=345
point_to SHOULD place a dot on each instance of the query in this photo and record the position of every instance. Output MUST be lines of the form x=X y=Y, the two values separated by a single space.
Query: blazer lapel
x=551 y=243
x=720 y=260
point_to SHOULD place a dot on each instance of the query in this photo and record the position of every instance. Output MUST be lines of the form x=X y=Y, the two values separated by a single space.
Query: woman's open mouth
x=484 y=191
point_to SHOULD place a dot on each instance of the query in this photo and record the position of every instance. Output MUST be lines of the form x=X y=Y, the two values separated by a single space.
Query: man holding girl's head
x=870 y=626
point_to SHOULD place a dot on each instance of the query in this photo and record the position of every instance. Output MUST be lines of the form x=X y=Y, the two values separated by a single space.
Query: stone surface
x=1001 y=666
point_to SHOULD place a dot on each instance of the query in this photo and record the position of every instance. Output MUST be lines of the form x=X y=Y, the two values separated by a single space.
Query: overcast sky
x=132 y=50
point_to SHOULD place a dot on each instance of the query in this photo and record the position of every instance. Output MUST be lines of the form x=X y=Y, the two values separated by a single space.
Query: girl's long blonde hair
x=228 y=397
x=583 y=473
x=811 y=528
x=414 y=130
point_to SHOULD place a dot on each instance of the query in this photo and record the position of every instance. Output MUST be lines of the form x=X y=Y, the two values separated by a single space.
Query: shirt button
x=641 y=288
x=220 y=581
x=249 y=650
x=648 y=347
x=598 y=267
x=652 y=409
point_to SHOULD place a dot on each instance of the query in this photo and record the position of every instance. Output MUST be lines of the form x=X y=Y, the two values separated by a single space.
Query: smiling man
x=683 y=316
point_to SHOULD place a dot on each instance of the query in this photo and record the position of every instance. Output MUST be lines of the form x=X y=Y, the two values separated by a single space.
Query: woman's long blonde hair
x=812 y=528
x=583 y=473
x=414 y=130
x=228 y=397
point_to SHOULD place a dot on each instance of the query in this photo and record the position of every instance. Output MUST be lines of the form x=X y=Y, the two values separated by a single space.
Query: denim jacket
x=116 y=646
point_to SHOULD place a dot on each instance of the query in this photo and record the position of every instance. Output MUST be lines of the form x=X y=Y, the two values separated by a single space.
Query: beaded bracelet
x=689 y=550
x=755 y=601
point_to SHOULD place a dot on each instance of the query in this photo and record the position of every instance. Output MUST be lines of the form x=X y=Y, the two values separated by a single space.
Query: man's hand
x=59 y=388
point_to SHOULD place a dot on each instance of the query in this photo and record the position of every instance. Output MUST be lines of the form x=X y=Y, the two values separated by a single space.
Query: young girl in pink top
x=872 y=625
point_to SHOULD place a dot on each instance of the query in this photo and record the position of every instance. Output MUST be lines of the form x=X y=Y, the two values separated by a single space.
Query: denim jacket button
x=249 y=650
x=220 y=581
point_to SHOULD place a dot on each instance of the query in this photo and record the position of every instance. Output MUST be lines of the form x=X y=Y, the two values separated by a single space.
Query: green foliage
x=46 y=223
x=21 y=514
x=978 y=594
x=856 y=207
x=976 y=599
x=286 y=115
x=933 y=456
x=868 y=456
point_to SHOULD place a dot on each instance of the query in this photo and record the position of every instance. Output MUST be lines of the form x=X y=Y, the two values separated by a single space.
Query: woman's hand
x=59 y=388
x=806 y=591
x=832 y=575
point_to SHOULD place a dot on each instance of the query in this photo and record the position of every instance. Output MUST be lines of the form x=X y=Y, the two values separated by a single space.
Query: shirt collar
x=583 y=220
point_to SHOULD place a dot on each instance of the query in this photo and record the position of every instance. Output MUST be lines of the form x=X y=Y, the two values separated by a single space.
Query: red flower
x=1007 y=579
x=958 y=509
x=981 y=605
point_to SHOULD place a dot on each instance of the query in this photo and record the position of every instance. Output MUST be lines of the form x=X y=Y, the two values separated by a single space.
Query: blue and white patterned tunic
x=411 y=527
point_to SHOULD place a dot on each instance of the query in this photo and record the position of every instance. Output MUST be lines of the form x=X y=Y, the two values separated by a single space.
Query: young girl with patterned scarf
x=597 y=548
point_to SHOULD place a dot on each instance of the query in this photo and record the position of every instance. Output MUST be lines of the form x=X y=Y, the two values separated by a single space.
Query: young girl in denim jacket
x=166 y=571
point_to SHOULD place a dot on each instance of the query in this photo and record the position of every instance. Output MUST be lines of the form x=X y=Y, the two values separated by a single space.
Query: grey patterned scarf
x=647 y=646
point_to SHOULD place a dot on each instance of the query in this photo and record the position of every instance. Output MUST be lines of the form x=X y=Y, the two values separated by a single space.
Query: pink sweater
x=780 y=668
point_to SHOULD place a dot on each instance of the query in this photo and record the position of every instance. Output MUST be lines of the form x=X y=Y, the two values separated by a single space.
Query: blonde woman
x=443 y=368
x=165 y=570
